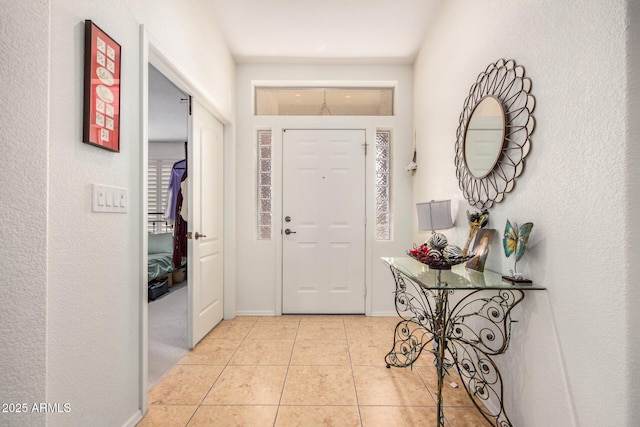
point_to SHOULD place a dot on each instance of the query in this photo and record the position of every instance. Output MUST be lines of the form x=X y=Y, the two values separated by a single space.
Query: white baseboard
x=135 y=419
x=271 y=313
x=385 y=314
x=256 y=313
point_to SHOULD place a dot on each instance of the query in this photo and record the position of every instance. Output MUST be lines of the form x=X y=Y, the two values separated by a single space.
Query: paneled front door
x=324 y=221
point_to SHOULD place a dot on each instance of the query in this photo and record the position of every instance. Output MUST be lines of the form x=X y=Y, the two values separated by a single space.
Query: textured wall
x=70 y=329
x=567 y=363
x=94 y=292
x=93 y=298
x=193 y=42
x=24 y=27
x=632 y=204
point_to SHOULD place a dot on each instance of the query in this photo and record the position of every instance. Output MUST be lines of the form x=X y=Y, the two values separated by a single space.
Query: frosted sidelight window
x=264 y=184
x=383 y=188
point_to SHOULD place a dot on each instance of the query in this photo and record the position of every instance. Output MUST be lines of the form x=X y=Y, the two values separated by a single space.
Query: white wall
x=191 y=39
x=632 y=203
x=568 y=361
x=23 y=211
x=93 y=290
x=259 y=283
x=71 y=325
x=166 y=150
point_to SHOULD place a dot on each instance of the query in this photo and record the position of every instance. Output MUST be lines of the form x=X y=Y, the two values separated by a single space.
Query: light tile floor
x=302 y=371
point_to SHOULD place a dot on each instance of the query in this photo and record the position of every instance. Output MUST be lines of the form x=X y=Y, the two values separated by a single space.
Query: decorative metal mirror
x=493 y=136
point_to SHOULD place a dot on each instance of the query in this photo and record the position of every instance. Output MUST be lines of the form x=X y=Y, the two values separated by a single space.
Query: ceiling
x=168 y=109
x=300 y=31
x=354 y=31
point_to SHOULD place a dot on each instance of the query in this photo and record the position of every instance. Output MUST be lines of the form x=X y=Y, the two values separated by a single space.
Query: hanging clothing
x=184 y=189
x=177 y=171
x=180 y=226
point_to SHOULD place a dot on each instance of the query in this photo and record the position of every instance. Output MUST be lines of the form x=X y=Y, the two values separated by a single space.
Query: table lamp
x=434 y=215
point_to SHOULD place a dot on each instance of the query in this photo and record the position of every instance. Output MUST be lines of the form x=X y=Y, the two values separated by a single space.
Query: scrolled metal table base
x=464 y=336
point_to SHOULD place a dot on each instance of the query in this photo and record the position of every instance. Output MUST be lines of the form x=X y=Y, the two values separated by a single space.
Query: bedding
x=160 y=254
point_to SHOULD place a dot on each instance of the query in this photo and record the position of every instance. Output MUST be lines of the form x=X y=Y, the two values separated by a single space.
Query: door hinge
x=365 y=145
x=190 y=104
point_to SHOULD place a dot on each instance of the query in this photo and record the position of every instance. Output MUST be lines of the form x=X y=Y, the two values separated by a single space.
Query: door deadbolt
x=287 y=218
x=287 y=232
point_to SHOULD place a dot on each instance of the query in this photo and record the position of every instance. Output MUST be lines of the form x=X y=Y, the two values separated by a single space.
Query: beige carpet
x=167 y=332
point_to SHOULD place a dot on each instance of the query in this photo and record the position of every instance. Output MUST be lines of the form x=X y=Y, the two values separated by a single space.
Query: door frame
x=152 y=53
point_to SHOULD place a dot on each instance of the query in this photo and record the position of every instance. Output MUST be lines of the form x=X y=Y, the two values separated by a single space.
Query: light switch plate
x=106 y=198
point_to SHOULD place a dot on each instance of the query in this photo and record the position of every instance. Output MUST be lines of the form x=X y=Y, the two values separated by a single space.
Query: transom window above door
x=324 y=101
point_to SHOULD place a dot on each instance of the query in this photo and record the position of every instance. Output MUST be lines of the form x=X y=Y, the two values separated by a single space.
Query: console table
x=465 y=334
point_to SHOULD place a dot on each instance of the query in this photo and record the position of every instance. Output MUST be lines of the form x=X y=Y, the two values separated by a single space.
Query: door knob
x=287 y=232
x=198 y=235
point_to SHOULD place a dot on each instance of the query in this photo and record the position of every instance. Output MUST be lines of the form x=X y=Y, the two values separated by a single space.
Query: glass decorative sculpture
x=515 y=241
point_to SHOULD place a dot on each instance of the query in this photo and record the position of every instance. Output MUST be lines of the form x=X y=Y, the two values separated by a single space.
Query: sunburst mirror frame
x=505 y=81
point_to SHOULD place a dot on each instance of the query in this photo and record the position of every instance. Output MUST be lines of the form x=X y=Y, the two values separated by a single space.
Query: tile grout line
x=353 y=376
x=220 y=374
x=352 y=350
x=286 y=374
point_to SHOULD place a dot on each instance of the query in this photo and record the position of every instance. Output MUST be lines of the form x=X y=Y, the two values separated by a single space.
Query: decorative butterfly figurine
x=515 y=239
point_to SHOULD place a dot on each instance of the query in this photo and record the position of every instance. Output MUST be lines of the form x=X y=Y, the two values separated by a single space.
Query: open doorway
x=167 y=256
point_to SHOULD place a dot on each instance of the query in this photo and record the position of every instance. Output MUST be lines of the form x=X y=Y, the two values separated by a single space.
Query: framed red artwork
x=101 y=121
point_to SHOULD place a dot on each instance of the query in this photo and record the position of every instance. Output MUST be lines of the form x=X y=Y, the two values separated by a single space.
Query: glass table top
x=459 y=277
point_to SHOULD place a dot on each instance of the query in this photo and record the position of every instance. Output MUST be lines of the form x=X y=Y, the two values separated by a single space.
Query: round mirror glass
x=484 y=137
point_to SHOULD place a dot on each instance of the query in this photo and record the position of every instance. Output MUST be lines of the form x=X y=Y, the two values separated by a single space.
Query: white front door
x=205 y=188
x=324 y=211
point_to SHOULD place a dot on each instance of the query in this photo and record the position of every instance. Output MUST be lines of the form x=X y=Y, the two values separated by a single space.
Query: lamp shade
x=434 y=215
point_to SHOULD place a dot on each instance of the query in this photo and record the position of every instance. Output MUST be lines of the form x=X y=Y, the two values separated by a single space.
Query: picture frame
x=481 y=249
x=102 y=64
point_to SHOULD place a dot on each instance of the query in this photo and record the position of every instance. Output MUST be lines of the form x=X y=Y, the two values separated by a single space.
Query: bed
x=160 y=255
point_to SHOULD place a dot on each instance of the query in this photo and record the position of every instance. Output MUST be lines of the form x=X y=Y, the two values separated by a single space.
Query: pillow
x=160 y=243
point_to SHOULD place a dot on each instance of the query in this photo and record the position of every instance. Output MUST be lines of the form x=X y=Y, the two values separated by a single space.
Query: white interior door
x=324 y=211
x=205 y=225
